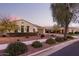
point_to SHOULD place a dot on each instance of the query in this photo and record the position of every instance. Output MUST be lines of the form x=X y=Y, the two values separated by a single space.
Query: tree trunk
x=65 y=32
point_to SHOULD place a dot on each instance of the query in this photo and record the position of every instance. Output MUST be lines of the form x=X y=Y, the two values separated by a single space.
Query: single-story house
x=25 y=26
x=70 y=29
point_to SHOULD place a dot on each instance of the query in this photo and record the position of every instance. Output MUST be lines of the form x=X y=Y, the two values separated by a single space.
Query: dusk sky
x=39 y=13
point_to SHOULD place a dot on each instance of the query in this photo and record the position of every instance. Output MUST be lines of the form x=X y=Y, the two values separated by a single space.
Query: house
x=70 y=29
x=26 y=27
x=61 y=29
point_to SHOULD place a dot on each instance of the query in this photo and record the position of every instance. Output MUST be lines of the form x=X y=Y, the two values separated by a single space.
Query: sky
x=36 y=13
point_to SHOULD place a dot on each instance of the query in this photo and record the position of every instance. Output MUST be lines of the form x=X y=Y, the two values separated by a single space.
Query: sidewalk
x=53 y=49
x=3 y=46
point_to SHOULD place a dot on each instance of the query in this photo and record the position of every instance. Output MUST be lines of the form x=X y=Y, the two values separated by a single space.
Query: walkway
x=3 y=46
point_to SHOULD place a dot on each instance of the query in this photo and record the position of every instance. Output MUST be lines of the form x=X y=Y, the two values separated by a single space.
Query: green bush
x=70 y=33
x=59 y=39
x=53 y=35
x=36 y=44
x=76 y=32
x=16 y=48
x=50 y=41
x=69 y=37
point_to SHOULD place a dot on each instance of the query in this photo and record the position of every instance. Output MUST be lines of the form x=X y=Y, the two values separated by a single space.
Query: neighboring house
x=61 y=30
x=40 y=29
x=25 y=27
x=71 y=29
x=48 y=29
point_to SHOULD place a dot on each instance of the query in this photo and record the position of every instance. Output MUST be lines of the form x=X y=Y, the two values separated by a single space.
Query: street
x=71 y=50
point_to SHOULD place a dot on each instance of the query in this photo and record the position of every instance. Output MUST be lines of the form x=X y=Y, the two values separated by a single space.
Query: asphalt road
x=71 y=50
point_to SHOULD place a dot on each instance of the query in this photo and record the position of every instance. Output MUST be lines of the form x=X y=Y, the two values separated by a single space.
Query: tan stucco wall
x=25 y=24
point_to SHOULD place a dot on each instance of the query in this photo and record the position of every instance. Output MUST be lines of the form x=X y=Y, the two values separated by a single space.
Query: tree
x=63 y=15
x=7 y=25
x=56 y=28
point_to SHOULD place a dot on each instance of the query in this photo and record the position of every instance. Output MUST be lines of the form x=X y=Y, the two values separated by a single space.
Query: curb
x=53 y=48
x=40 y=51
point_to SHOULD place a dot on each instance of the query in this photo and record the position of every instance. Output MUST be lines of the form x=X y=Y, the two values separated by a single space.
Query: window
x=33 y=30
x=27 y=28
x=22 y=29
x=16 y=31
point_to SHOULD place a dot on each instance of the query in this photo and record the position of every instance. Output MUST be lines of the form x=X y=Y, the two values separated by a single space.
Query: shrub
x=50 y=41
x=36 y=44
x=42 y=35
x=53 y=35
x=27 y=36
x=4 y=36
x=70 y=33
x=18 y=40
x=76 y=32
x=16 y=48
x=69 y=37
x=59 y=39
